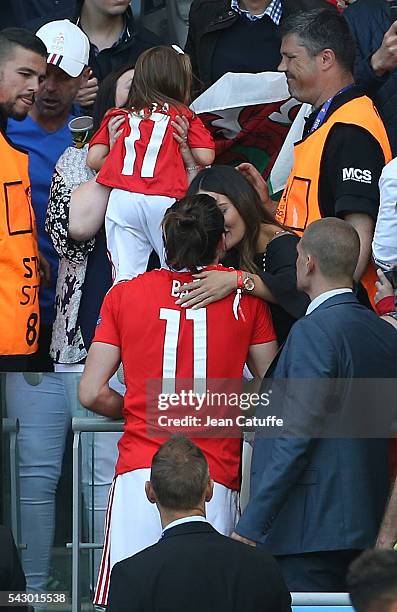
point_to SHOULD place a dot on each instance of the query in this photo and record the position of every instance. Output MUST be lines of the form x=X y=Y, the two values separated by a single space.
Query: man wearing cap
x=45 y=135
x=115 y=39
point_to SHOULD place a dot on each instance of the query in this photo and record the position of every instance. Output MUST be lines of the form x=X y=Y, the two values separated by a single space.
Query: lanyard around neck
x=322 y=113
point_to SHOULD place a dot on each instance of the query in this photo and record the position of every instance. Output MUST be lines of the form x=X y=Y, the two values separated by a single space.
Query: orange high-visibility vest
x=299 y=205
x=19 y=261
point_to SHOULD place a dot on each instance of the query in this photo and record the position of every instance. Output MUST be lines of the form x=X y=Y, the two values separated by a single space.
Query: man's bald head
x=335 y=246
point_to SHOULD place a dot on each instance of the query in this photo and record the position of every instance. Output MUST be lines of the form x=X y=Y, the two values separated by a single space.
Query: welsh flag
x=253 y=119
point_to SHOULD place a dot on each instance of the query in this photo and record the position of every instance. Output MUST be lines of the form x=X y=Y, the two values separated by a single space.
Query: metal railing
x=103 y=424
x=321 y=599
x=11 y=429
x=79 y=426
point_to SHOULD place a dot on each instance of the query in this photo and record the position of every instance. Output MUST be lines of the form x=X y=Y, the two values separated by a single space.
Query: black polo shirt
x=348 y=146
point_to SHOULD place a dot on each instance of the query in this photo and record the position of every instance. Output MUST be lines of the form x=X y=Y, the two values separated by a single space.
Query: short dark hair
x=19 y=37
x=192 y=227
x=372 y=581
x=320 y=29
x=179 y=474
x=106 y=96
x=335 y=245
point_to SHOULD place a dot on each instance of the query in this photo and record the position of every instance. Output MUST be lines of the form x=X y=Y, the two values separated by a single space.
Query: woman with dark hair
x=168 y=346
x=256 y=243
x=113 y=92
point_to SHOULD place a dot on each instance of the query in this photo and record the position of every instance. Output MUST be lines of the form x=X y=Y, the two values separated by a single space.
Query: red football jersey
x=160 y=340
x=146 y=158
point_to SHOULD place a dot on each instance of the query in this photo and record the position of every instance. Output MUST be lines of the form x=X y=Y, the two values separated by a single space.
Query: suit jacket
x=12 y=577
x=194 y=568
x=207 y=20
x=313 y=494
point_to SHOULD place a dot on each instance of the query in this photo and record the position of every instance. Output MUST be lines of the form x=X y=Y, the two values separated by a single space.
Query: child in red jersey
x=143 y=164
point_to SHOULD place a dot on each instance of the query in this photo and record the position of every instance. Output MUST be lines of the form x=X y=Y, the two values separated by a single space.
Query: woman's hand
x=181 y=127
x=383 y=286
x=257 y=181
x=255 y=178
x=115 y=129
x=208 y=287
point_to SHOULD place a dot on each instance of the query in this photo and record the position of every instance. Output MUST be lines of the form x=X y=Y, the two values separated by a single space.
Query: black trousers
x=317 y=571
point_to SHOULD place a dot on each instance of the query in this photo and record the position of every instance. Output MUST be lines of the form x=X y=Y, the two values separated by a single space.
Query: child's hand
x=181 y=126
x=115 y=129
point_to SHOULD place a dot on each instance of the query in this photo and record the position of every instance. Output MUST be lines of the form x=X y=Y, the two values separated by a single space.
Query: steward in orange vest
x=300 y=202
x=19 y=259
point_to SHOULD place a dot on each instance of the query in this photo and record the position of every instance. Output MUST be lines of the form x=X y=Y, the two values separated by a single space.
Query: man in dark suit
x=316 y=502
x=193 y=567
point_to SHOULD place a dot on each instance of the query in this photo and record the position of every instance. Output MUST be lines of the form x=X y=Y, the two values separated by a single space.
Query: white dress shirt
x=325 y=296
x=185 y=519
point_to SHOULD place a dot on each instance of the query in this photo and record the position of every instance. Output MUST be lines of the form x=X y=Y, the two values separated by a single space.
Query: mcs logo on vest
x=358 y=175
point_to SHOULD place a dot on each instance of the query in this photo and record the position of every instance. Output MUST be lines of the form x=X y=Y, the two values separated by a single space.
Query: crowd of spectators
x=313 y=273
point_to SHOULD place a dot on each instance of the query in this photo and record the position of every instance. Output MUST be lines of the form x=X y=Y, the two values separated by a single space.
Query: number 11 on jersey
x=171 y=338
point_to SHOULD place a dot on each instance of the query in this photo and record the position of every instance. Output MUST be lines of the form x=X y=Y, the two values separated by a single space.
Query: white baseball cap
x=67 y=46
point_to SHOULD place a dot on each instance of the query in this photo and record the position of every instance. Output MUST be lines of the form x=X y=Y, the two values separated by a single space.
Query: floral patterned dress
x=67 y=344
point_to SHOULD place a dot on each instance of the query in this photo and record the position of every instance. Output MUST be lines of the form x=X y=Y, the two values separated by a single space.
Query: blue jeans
x=45 y=412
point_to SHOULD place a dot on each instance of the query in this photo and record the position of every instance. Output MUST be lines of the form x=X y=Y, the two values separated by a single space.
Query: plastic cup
x=81 y=129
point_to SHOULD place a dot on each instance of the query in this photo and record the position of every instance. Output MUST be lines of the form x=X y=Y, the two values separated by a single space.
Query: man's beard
x=18 y=116
x=8 y=111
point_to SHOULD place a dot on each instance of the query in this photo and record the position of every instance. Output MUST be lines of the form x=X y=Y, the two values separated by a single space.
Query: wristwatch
x=248 y=283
